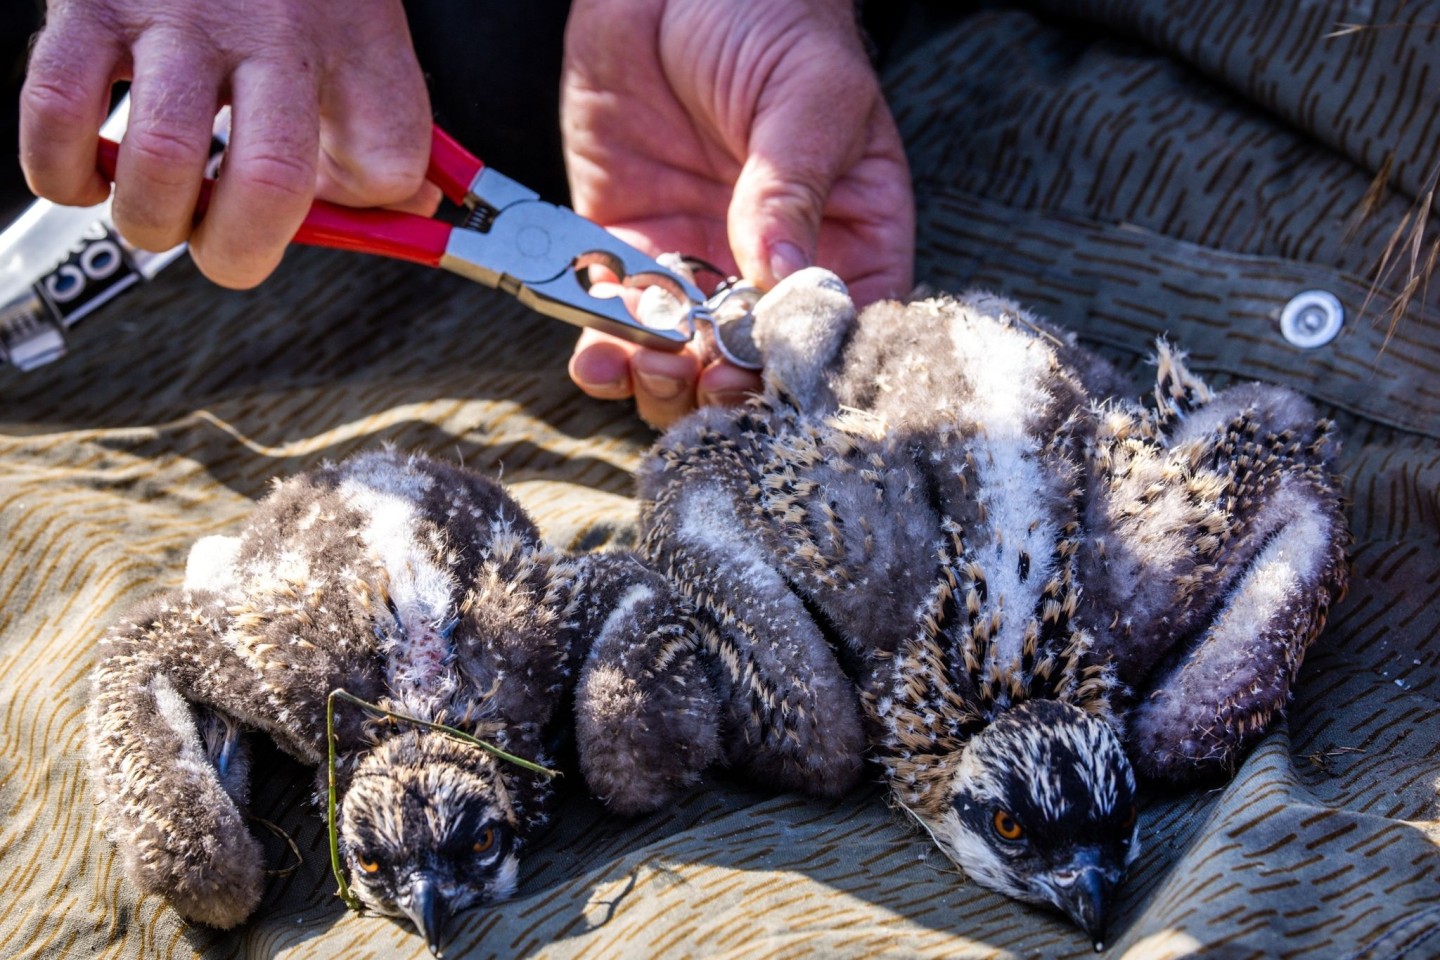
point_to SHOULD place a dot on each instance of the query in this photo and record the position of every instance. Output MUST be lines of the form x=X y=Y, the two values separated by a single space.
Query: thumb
x=807 y=132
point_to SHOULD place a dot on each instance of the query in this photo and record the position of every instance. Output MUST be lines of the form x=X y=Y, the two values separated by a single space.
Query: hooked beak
x=1082 y=891
x=427 y=909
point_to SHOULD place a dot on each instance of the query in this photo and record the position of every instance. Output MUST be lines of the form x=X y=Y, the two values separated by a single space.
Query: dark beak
x=1082 y=890
x=428 y=910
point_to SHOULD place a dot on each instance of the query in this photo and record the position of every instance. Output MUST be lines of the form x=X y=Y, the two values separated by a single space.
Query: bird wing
x=791 y=714
x=161 y=797
x=647 y=717
x=1224 y=543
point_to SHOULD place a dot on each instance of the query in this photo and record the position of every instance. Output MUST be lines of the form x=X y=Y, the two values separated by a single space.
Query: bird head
x=426 y=829
x=1042 y=808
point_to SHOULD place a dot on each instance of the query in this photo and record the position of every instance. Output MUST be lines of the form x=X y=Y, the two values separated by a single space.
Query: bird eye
x=369 y=866
x=1007 y=827
x=486 y=841
x=1130 y=816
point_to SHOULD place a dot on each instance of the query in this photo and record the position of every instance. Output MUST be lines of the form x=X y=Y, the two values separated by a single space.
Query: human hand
x=326 y=99
x=751 y=133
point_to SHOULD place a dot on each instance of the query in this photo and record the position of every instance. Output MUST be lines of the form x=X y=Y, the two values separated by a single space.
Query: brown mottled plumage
x=425 y=589
x=1027 y=577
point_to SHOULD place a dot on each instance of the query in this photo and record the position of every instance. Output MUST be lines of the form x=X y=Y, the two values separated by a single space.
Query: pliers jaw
x=541 y=254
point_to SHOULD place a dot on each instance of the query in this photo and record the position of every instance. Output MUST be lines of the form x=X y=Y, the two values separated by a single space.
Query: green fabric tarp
x=1053 y=162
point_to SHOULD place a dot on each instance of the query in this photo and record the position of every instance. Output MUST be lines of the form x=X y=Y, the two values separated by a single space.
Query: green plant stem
x=351 y=901
x=460 y=735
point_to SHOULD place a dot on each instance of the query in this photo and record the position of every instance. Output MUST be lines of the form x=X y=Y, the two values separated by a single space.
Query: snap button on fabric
x=1312 y=319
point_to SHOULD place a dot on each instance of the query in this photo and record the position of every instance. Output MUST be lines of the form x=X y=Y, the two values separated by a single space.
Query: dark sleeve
x=493 y=68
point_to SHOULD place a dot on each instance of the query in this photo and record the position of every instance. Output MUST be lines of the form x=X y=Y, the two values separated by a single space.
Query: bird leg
x=228 y=750
x=800 y=328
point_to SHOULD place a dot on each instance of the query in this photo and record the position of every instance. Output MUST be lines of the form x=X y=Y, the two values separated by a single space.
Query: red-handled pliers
x=511 y=240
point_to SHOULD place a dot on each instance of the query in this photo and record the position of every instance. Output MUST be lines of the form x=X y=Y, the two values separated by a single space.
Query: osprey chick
x=1037 y=588
x=424 y=589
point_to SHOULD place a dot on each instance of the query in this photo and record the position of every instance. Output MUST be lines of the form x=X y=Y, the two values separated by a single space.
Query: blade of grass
x=351 y=901
x=451 y=732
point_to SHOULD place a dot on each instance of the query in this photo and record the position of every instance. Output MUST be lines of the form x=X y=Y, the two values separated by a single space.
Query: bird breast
x=420 y=587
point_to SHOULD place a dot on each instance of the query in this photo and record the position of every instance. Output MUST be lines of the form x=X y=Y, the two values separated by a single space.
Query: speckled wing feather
x=789 y=717
x=179 y=832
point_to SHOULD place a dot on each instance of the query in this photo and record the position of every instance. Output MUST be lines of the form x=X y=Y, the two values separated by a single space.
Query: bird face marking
x=426 y=830
x=1042 y=808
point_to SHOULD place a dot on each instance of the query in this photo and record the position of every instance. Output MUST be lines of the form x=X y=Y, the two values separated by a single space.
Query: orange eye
x=486 y=841
x=1129 y=823
x=369 y=866
x=1007 y=826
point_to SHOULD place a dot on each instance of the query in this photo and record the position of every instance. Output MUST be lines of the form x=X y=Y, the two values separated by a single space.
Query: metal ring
x=1312 y=319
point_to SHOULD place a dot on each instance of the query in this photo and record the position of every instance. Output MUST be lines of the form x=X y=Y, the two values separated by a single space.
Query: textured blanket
x=181 y=402
x=166 y=424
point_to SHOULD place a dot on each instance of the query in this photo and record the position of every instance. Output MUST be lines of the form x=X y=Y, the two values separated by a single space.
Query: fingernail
x=597 y=373
x=729 y=398
x=661 y=388
x=786 y=258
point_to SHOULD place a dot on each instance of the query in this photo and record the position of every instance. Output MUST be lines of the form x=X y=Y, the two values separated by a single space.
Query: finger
x=268 y=181
x=600 y=366
x=808 y=130
x=723 y=384
x=62 y=104
x=375 y=119
x=424 y=203
x=173 y=99
x=869 y=234
x=664 y=384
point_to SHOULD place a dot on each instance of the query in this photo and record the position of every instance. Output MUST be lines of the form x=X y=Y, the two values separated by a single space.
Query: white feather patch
x=1006 y=373
x=211 y=564
x=421 y=588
